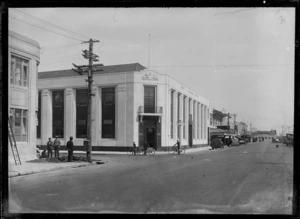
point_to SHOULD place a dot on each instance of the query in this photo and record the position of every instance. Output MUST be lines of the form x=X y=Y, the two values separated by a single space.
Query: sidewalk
x=38 y=167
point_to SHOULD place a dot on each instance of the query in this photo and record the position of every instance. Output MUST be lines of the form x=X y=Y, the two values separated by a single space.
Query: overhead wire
x=62 y=28
x=45 y=29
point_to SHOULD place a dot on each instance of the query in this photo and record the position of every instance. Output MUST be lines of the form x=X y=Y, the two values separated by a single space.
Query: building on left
x=23 y=58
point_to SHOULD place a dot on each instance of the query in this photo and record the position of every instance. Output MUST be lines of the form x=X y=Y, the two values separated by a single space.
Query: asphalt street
x=250 y=179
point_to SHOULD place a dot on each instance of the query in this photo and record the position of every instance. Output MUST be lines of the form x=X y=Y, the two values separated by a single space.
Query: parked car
x=234 y=142
x=275 y=140
x=242 y=141
x=217 y=143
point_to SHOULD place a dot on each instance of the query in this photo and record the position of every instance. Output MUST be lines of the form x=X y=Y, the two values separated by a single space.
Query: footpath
x=36 y=166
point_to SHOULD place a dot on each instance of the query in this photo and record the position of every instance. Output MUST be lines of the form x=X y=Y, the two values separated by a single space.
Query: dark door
x=190 y=130
x=150 y=131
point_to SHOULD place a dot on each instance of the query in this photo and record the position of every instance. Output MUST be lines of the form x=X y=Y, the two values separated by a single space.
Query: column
x=186 y=117
x=46 y=116
x=205 y=122
x=70 y=114
x=96 y=116
x=181 y=118
x=202 y=122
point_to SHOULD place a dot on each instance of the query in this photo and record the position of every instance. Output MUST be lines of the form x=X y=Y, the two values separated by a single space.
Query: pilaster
x=70 y=114
x=46 y=116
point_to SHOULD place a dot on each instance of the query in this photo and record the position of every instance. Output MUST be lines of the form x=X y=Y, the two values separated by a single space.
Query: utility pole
x=228 y=120
x=234 y=116
x=88 y=54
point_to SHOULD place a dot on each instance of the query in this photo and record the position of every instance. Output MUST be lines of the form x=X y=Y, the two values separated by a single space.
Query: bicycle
x=174 y=150
x=149 y=151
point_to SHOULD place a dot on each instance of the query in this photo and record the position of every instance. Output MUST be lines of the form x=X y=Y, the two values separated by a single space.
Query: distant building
x=265 y=135
x=130 y=104
x=24 y=57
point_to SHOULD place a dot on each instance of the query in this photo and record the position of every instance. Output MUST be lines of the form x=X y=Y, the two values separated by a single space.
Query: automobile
x=254 y=139
x=216 y=143
x=234 y=142
x=275 y=140
x=242 y=141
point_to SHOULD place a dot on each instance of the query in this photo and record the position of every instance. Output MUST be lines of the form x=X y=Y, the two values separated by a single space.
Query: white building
x=23 y=57
x=130 y=104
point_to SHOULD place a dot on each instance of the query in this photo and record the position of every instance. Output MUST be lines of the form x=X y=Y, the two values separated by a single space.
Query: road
x=249 y=179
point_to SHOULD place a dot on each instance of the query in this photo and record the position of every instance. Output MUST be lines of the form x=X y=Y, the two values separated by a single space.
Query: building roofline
x=23 y=38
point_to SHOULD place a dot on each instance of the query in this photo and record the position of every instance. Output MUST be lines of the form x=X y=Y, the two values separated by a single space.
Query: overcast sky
x=240 y=59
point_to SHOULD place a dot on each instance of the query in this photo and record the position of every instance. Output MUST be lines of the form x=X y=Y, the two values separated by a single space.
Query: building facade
x=24 y=57
x=265 y=135
x=130 y=104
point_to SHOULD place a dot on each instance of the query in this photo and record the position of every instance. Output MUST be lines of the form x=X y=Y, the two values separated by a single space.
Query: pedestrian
x=145 y=148
x=49 y=147
x=178 y=146
x=134 y=148
x=70 y=148
x=56 y=147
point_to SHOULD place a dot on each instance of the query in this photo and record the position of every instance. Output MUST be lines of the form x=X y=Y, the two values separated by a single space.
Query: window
x=172 y=111
x=82 y=100
x=184 y=99
x=108 y=112
x=198 y=121
x=18 y=119
x=19 y=71
x=178 y=115
x=149 y=99
x=58 y=113
x=38 y=128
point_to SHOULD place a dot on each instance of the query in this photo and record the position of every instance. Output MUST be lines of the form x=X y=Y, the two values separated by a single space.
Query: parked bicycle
x=174 y=150
x=149 y=151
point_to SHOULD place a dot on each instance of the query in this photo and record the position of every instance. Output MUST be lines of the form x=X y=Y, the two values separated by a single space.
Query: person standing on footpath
x=134 y=148
x=70 y=148
x=49 y=147
x=178 y=146
x=56 y=147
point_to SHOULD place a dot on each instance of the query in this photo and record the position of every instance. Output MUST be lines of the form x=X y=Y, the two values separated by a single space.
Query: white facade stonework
x=24 y=57
x=133 y=123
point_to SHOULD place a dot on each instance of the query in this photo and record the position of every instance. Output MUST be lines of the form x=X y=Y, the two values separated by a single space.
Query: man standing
x=178 y=146
x=56 y=147
x=49 y=147
x=134 y=148
x=70 y=148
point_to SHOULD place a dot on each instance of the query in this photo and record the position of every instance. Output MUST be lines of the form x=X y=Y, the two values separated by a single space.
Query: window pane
x=108 y=112
x=24 y=125
x=25 y=76
x=58 y=113
x=81 y=113
x=18 y=72
x=12 y=70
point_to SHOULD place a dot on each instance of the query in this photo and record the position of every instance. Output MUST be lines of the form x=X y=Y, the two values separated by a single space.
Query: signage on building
x=149 y=75
x=224 y=127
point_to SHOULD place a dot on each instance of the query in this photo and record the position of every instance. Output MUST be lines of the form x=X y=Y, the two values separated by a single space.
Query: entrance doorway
x=150 y=132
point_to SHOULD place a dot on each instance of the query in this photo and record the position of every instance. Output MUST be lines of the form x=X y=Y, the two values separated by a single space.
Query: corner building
x=130 y=104
x=24 y=58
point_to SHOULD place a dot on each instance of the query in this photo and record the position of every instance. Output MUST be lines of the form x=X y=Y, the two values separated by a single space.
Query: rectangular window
x=198 y=122
x=18 y=119
x=19 y=71
x=194 y=120
x=38 y=128
x=149 y=99
x=108 y=112
x=58 y=113
x=82 y=101
x=183 y=118
x=172 y=111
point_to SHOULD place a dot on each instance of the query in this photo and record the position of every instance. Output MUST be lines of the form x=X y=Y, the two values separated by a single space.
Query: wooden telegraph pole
x=88 y=54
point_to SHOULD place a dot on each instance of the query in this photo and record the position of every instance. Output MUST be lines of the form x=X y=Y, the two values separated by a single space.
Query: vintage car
x=242 y=141
x=217 y=143
x=234 y=141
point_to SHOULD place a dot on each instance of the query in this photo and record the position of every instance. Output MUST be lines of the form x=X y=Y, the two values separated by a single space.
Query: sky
x=240 y=59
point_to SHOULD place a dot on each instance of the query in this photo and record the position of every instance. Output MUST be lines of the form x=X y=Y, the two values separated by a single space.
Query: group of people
x=56 y=147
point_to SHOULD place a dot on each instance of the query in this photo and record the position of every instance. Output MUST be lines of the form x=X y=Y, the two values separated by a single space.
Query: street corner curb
x=48 y=169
